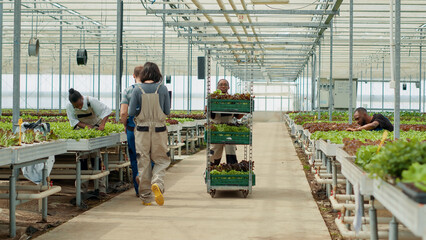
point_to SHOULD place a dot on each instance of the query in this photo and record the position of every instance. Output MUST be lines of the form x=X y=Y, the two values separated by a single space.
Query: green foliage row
x=229 y=128
x=65 y=131
x=231 y=172
x=399 y=160
x=338 y=136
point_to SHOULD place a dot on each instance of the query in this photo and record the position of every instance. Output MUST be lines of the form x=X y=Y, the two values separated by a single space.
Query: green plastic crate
x=231 y=180
x=225 y=105
x=240 y=138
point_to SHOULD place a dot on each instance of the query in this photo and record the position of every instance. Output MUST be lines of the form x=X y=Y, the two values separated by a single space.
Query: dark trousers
x=132 y=155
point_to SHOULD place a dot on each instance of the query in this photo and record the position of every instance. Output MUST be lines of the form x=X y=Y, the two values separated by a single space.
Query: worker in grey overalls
x=87 y=112
x=216 y=150
x=150 y=105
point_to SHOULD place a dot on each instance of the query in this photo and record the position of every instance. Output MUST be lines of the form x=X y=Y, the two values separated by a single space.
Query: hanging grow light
x=33 y=47
x=82 y=52
x=81 y=57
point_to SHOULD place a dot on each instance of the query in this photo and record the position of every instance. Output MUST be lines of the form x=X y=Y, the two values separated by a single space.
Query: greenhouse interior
x=115 y=116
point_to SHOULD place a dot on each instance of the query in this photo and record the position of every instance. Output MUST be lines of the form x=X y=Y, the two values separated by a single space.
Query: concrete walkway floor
x=280 y=207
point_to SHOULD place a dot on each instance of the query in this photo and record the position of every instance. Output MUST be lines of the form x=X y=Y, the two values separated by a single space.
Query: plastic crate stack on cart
x=402 y=211
x=224 y=180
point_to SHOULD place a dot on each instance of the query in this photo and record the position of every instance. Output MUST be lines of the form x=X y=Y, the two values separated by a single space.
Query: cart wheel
x=245 y=193
x=212 y=193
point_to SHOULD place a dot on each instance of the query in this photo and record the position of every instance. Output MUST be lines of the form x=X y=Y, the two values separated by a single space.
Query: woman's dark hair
x=74 y=95
x=150 y=71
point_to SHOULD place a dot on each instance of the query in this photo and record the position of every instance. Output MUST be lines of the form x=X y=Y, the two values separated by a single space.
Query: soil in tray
x=414 y=188
x=413 y=192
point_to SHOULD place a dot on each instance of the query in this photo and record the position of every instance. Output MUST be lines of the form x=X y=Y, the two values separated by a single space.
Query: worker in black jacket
x=376 y=122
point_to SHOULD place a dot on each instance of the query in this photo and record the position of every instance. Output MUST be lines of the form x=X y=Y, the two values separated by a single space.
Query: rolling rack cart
x=245 y=182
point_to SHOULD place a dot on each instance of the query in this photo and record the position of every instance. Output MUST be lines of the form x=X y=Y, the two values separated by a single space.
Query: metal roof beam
x=251 y=49
x=249 y=35
x=252 y=43
x=255 y=24
x=259 y=55
x=220 y=12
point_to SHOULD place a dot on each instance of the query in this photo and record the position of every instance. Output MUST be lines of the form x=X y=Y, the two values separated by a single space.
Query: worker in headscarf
x=88 y=112
x=216 y=150
x=149 y=105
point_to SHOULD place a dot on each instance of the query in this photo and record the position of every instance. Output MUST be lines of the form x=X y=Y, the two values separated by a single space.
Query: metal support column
x=189 y=71
x=174 y=84
x=163 y=57
x=410 y=86
x=307 y=85
x=351 y=57
x=397 y=67
x=99 y=66
x=60 y=64
x=330 y=83
x=51 y=92
x=1 y=54
x=314 y=64
x=217 y=72
x=371 y=85
x=424 y=74
x=69 y=70
x=383 y=84
x=360 y=86
x=205 y=79
x=26 y=85
x=127 y=74
x=93 y=80
x=16 y=61
x=119 y=58
x=302 y=91
x=190 y=74
x=420 y=71
x=319 y=80
x=38 y=82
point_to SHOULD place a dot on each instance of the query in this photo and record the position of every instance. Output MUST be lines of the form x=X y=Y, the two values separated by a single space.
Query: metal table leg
x=106 y=168
x=187 y=143
x=96 y=167
x=393 y=229
x=373 y=221
x=328 y=164
x=192 y=142
x=12 y=201
x=128 y=168
x=44 y=200
x=348 y=192
x=120 y=171
x=334 y=174
x=179 y=141
x=78 y=182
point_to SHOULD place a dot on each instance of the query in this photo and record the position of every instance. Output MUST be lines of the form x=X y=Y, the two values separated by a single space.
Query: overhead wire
x=310 y=4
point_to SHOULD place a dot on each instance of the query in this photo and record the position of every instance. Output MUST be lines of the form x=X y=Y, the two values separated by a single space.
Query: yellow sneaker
x=146 y=203
x=159 y=199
